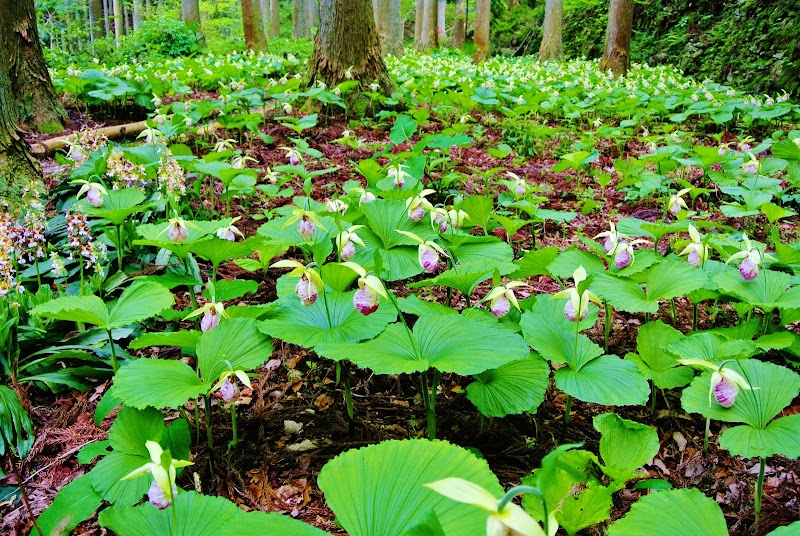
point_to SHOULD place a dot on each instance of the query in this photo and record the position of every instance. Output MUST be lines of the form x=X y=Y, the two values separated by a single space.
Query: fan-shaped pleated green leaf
x=514 y=388
x=336 y=277
x=137 y=302
x=788 y=530
x=217 y=250
x=712 y=346
x=263 y=524
x=277 y=234
x=303 y=325
x=766 y=291
x=397 y=262
x=449 y=343
x=654 y=361
x=679 y=512
x=624 y=445
x=117 y=205
x=777 y=388
x=131 y=430
x=385 y=216
x=74 y=503
x=466 y=277
x=235 y=344
x=157 y=383
x=623 y=294
x=380 y=489
x=183 y=338
x=157 y=234
x=550 y=336
x=606 y=380
x=566 y=263
x=417 y=307
x=781 y=436
x=468 y=249
x=198 y=515
x=535 y=262
x=231 y=289
x=16 y=428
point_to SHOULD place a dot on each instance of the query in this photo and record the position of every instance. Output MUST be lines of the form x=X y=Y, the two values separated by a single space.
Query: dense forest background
x=755 y=43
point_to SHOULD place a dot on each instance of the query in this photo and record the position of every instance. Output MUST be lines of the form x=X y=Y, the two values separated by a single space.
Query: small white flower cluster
x=125 y=173
x=171 y=177
x=81 y=243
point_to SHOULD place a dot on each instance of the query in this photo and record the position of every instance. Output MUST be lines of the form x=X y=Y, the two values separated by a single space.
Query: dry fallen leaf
x=323 y=402
x=303 y=446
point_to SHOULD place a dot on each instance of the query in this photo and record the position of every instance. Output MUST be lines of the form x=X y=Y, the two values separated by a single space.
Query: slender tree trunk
x=441 y=33
x=264 y=5
x=617 y=55
x=106 y=17
x=301 y=26
x=347 y=46
x=253 y=23
x=312 y=14
x=419 y=14
x=31 y=87
x=390 y=26
x=126 y=18
x=551 y=47
x=138 y=16
x=483 y=9
x=17 y=167
x=428 y=33
x=190 y=13
x=460 y=24
x=119 y=28
x=274 y=19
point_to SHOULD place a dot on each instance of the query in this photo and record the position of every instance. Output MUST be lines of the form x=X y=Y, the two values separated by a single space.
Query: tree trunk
x=419 y=13
x=138 y=16
x=551 y=48
x=312 y=15
x=106 y=17
x=17 y=167
x=119 y=29
x=390 y=26
x=126 y=18
x=483 y=11
x=460 y=24
x=37 y=104
x=347 y=46
x=190 y=13
x=264 y=5
x=274 y=19
x=428 y=33
x=441 y=33
x=301 y=26
x=253 y=23
x=617 y=55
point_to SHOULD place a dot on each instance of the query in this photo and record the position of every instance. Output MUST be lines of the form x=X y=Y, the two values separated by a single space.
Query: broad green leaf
x=535 y=262
x=654 y=361
x=16 y=428
x=390 y=498
x=679 y=512
x=309 y=325
x=397 y=262
x=468 y=249
x=606 y=380
x=384 y=217
x=74 y=503
x=198 y=515
x=138 y=302
x=781 y=436
x=235 y=344
x=584 y=509
x=465 y=277
x=231 y=289
x=218 y=250
x=448 y=343
x=403 y=128
x=184 y=339
x=766 y=291
x=788 y=530
x=117 y=206
x=551 y=337
x=87 y=309
x=624 y=445
x=336 y=277
x=93 y=450
x=514 y=388
x=262 y=523
x=566 y=263
x=777 y=387
x=479 y=208
x=413 y=305
x=157 y=383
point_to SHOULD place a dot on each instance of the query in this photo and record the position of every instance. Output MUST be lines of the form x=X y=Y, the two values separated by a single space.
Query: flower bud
x=228 y=391
x=623 y=256
x=366 y=301
x=500 y=306
x=306 y=228
x=694 y=259
x=608 y=245
x=428 y=258
x=95 y=197
x=209 y=321
x=367 y=197
x=520 y=188
x=294 y=159
x=177 y=232
x=348 y=250
x=725 y=391
x=306 y=290
x=416 y=214
x=571 y=313
x=748 y=269
x=158 y=497
x=399 y=181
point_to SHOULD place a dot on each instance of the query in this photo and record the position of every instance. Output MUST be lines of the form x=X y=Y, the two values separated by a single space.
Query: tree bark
x=552 y=48
x=253 y=23
x=390 y=26
x=460 y=24
x=274 y=19
x=106 y=17
x=190 y=13
x=483 y=11
x=427 y=38
x=347 y=46
x=119 y=28
x=138 y=15
x=441 y=33
x=17 y=167
x=126 y=21
x=264 y=5
x=301 y=26
x=36 y=102
x=312 y=14
x=617 y=55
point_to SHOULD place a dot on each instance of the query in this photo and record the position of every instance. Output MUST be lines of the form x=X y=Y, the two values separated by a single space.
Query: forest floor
x=275 y=469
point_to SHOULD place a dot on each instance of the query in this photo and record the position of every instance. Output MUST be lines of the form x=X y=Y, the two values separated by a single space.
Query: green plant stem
x=707 y=433
x=674 y=312
x=567 y=409
x=762 y=462
x=652 y=398
x=430 y=394
x=114 y=364
x=119 y=247
x=325 y=304
x=694 y=317
x=38 y=274
x=209 y=434
x=607 y=326
x=174 y=511
x=196 y=422
x=235 y=439
x=348 y=393
x=530 y=490
x=24 y=494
